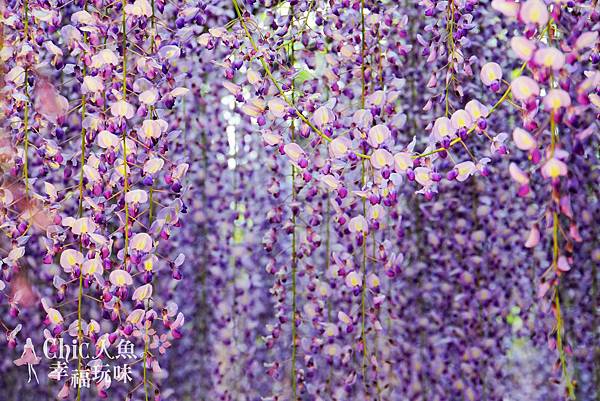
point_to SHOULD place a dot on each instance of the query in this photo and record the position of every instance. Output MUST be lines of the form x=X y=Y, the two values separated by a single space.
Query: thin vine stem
x=555 y=246
x=79 y=215
x=27 y=102
x=124 y=136
x=363 y=307
x=150 y=220
x=294 y=251
x=450 y=30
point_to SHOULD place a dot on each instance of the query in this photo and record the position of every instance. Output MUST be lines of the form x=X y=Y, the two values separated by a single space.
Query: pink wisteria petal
x=48 y=102
x=562 y=264
x=533 y=238
x=554 y=168
x=402 y=161
x=293 y=151
x=534 y=12
x=556 y=98
x=339 y=147
x=381 y=158
x=523 y=47
x=507 y=7
x=442 y=128
x=378 y=135
x=358 y=224
x=517 y=174
x=461 y=119
x=120 y=278
x=523 y=139
x=523 y=88
x=490 y=72
x=476 y=109
x=550 y=57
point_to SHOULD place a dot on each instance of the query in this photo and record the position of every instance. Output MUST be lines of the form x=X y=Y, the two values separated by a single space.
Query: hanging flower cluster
x=93 y=187
x=302 y=200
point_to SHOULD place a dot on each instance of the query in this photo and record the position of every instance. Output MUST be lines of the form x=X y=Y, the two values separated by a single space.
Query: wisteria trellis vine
x=322 y=188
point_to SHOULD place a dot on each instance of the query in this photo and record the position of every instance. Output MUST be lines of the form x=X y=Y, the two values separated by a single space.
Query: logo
x=96 y=367
x=30 y=359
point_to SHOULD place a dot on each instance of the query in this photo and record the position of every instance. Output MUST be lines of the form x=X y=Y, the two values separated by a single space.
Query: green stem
x=558 y=312
x=124 y=136
x=26 y=18
x=596 y=323
x=80 y=214
x=26 y=111
x=362 y=54
x=294 y=251
x=363 y=332
x=450 y=29
x=150 y=210
x=555 y=251
x=26 y=135
x=145 y=368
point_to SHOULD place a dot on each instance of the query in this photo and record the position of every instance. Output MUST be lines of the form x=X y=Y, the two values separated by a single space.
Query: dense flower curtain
x=300 y=200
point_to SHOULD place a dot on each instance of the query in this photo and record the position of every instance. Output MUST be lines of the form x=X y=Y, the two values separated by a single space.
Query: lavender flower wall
x=300 y=200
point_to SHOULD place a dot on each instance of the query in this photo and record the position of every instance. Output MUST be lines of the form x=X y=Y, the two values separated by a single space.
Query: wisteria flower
x=506 y=7
x=442 y=128
x=523 y=88
x=491 y=74
x=549 y=57
x=554 y=168
x=523 y=139
x=353 y=280
x=323 y=116
x=556 y=98
x=465 y=170
x=70 y=259
x=92 y=84
x=120 y=278
x=382 y=158
x=461 y=119
x=523 y=47
x=123 y=109
x=476 y=110
x=296 y=154
x=378 y=135
x=358 y=224
x=534 y=12
x=104 y=57
x=339 y=147
x=402 y=161
x=142 y=293
x=517 y=174
x=142 y=242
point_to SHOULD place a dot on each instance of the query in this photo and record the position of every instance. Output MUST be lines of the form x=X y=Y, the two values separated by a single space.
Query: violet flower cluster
x=301 y=200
